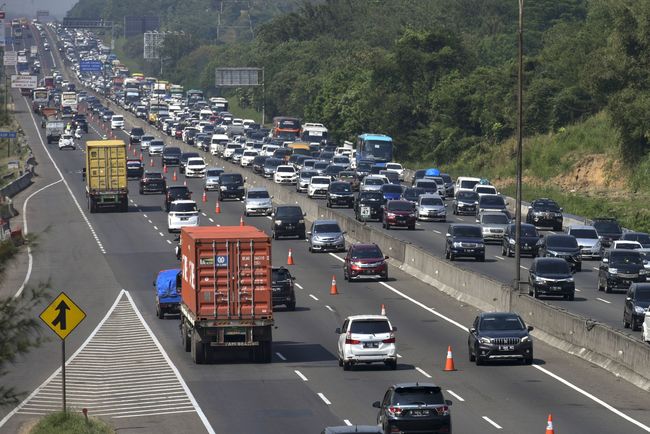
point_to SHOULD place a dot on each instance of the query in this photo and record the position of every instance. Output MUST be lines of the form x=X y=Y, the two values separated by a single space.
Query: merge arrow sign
x=62 y=315
x=60 y=318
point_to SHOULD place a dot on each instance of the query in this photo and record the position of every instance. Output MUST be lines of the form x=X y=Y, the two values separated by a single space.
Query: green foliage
x=71 y=423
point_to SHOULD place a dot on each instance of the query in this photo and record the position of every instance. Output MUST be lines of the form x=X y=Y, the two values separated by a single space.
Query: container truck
x=105 y=173
x=226 y=303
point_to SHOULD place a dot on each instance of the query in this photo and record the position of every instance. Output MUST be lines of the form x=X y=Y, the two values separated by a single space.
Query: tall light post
x=520 y=125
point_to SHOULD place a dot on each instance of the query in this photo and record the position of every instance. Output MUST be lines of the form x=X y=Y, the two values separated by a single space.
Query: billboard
x=84 y=23
x=153 y=41
x=10 y=58
x=235 y=77
x=134 y=26
x=24 y=81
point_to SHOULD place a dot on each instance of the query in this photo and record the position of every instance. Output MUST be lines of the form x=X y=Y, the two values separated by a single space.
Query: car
x=412 y=194
x=152 y=182
x=398 y=213
x=551 y=276
x=176 y=192
x=258 y=201
x=373 y=183
x=288 y=220
x=341 y=160
x=171 y=155
x=431 y=207
x=428 y=185
x=135 y=136
x=626 y=244
x=414 y=408
x=608 y=230
x=168 y=292
x=368 y=206
x=620 y=268
x=351 y=177
x=247 y=157
x=364 y=261
x=212 y=175
x=493 y=225
x=282 y=288
x=326 y=235
x=231 y=185
x=528 y=236
x=396 y=167
x=229 y=150
x=464 y=240
x=258 y=164
x=587 y=238
x=195 y=167
x=304 y=177
x=500 y=336
x=391 y=191
x=366 y=339
x=183 y=159
x=637 y=302
x=545 y=212
x=561 y=246
x=134 y=169
x=466 y=183
x=270 y=166
x=145 y=140
x=482 y=189
x=339 y=193
x=449 y=184
x=493 y=202
x=285 y=174
x=117 y=122
x=182 y=213
x=465 y=202
x=156 y=147
x=67 y=142
x=318 y=186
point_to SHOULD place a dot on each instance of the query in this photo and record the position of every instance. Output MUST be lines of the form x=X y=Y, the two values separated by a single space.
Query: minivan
x=117 y=122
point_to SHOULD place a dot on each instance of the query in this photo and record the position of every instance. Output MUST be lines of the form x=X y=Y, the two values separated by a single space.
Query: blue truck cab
x=168 y=292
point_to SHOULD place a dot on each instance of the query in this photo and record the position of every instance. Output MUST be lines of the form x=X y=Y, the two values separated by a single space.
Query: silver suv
x=258 y=201
x=493 y=225
x=326 y=235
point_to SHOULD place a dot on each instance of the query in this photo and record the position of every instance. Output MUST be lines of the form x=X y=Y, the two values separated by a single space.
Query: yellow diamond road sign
x=62 y=315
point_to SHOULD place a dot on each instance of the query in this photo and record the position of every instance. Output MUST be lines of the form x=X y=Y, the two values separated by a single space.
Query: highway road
x=303 y=389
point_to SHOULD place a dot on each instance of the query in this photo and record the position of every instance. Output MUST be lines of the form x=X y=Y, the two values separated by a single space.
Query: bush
x=71 y=423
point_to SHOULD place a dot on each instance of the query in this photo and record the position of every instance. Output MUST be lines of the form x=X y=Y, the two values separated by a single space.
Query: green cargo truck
x=106 y=182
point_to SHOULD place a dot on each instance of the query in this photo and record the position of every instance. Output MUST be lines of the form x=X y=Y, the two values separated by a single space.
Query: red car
x=365 y=260
x=399 y=213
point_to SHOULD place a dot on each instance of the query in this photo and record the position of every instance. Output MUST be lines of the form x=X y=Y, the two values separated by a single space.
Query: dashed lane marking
x=313 y=296
x=155 y=227
x=491 y=422
x=284 y=359
x=299 y=285
x=168 y=242
x=211 y=220
x=347 y=422
x=329 y=308
x=161 y=234
x=300 y=374
x=324 y=398
x=423 y=372
x=603 y=300
x=455 y=395
x=500 y=257
x=437 y=231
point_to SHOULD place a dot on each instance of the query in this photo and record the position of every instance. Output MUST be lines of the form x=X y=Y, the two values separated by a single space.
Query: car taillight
x=349 y=340
x=443 y=410
x=390 y=340
x=394 y=411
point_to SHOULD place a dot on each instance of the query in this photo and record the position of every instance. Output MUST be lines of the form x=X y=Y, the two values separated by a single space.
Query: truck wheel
x=291 y=306
x=92 y=206
x=185 y=339
x=198 y=349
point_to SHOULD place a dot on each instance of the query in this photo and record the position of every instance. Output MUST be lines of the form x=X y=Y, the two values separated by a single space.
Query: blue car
x=391 y=192
x=168 y=295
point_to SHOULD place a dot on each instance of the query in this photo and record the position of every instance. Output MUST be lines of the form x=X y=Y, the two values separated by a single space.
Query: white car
x=483 y=189
x=285 y=174
x=238 y=122
x=117 y=122
x=396 y=167
x=318 y=186
x=646 y=327
x=230 y=149
x=195 y=167
x=145 y=141
x=67 y=141
x=268 y=150
x=247 y=157
x=182 y=213
x=366 y=339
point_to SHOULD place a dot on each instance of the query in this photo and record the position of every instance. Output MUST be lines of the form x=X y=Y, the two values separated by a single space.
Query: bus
x=194 y=95
x=375 y=147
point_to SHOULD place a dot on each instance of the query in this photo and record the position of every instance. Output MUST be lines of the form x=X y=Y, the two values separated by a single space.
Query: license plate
x=556 y=288
x=469 y=250
x=365 y=211
x=370 y=345
x=183 y=219
x=506 y=348
x=419 y=413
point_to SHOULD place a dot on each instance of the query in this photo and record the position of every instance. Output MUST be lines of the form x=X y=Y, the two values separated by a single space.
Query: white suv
x=247 y=157
x=318 y=186
x=285 y=174
x=117 y=122
x=182 y=213
x=366 y=339
x=195 y=167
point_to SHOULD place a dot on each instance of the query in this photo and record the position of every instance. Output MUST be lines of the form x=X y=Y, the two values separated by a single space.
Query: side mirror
x=448 y=234
x=338 y=330
x=478 y=221
x=386 y=257
x=271 y=197
x=605 y=260
x=472 y=330
x=376 y=404
x=154 y=283
x=561 y=209
x=308 y=232
x=530 y=328
x=304 y=214
x=530 y=207
x=344 y=232
x=272 y=214
x=446 y=205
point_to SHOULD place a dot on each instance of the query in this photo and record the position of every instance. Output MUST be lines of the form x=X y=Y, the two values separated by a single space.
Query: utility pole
x=520 y=126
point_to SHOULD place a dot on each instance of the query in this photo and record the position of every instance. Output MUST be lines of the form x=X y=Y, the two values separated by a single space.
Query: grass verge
x=70 y=423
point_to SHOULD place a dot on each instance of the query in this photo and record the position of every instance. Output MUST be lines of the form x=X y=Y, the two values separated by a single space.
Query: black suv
x=551 y=276
x=529 y=238
x=498 y=336
x=561 y=246
x=258 y=164
x=608 y=230
x=368 y=205
x=340 y=193
x=153 y=182
x=136 y=135
x=176 y=192
x=288 y=220
x=465 y=203
x=282 y=286
x=171 y=156
x=231 y=185
x=414 y=407
x=464 y=240
x=637 y=302
x=545 y=213
x=620 y=268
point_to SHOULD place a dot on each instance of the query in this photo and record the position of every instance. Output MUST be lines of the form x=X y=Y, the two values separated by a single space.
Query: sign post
x=62 y=316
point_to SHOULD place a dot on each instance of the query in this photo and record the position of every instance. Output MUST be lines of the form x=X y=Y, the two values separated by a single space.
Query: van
x=117 y=122
x=466 y=183
x=218 y=143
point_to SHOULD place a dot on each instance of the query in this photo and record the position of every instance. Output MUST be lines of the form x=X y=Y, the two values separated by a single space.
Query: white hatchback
x=366 y=339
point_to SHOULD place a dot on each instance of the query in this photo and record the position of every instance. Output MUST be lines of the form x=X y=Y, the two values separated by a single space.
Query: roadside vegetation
x=71 y=422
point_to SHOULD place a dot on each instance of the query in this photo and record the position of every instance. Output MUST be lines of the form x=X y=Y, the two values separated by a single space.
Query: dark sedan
x=499 y=336
x=551 y=276
x=288 y=220
x=528 y=236
x=561 y=246
x=152 y=182
x=340 y=193
x=463 y=240
x=134 y=169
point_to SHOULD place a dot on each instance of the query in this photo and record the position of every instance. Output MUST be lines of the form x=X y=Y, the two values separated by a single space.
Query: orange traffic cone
x=151 y=162
x=290 y=258
x=135 y=152
x=140 y=156
x=164 y=168
x=205 y=197
x=241 y=221
x=217 y=208
x=449 y=365
x=185 y=182
x=174 y=178
x=383 y=309
x=333 y=289
x=549 y=425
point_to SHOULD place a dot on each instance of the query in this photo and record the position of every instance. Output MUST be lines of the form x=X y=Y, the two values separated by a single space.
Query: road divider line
x=281 y=357
x=161 y=234
x=155 y=227
x=347 y=422
x=423 y=372
x=299 y=285
x=455 y=395
x=525 y=268
x=596 y=268
x=578 y=290
x=299 y=374
x=329 y=308
x=168 y=242
x=500 y=257
x=324 y=398
x=210 y=218
x=313 y=296
x=150 y=221
x=437 y=231
x=337 y=257
x=144 y=215
x=491 y=422
x=204 y=214
x=603 y=300
x=399 y=356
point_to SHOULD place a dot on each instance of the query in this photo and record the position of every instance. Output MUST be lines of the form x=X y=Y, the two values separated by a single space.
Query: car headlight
x=301 y=222
x=613 y=271
x=223 y=187
x=334 y=196
x=639 y=309
x=278 y=222
x=551 y=253
x=412 y=215
x=643 y=272
x=570 y=279
x=485 y=340
x=527 y=339
x=457 y=244
x=511 y=241
x=391 y=214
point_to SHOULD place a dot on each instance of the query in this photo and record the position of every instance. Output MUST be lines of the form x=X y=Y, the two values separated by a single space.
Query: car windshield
x=175 y=151
x=584 y=233
x=371 y=196
x=625 y=258
x=231 y=178
x=468 y=184
x=213 y=172
x=308 y=174
x=486 y=189
x=393 y=166
x=431 y=201
x=608 y=227
x=137 y=131
x=321 y=165
x=428 y=185
x=642 y=294
x=146 y=138
x=134 y=164
x=195 y=162
x=320 y=180
x=288 y=211
x=340 y=188
x=153 y=175
x=527 y=231
x=469 y=196
x=327 y=228
x=369 y=327
x=178 y=191
x=641 y=238
x=366 y=253
x=280 y=274
x=418 y=396
x=501 y=322
x=500 y=219
x=546 y=205
x=183 y=207
x=468 y=231
x=272 y=162
x=391 y=188
x=286 y=169
x=628 y=245
x=566 y=241
x=258 y=194
x=399 y=206
x=374 y=181
x=553 y=267
x=492 y=201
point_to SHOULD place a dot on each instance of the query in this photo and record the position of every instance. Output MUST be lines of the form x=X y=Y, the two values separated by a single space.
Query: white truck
x=33 y=51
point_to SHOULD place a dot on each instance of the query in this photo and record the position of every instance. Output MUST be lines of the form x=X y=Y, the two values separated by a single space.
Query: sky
x=28 y=8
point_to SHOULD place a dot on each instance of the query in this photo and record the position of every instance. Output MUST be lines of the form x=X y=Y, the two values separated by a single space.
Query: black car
x=493 y=202
x=608 y=230
x=368 y=206
x=288 y=220
x=171 y=156
x=412 y=194
x=464 y=240
x=529 y=238
x=184 y=157
x=134 y=169
x=135 y=135
x=81 y=122
x=340 y=193
x=351 y=177
x=153 y=182
x=176 y=192
x=418 y=174
x=620 y=268
x=282 y=288
x=363 y=168
x=641 y=237
x=561 y=246
x=465 y=203
x=499 y=336
x=414 y=408
x=270 y=166
x=231 y=185
x=545 y=213
x=449 y=184
x=333 y=171
x=551 y=276
x=258 y=164
x=637 y=301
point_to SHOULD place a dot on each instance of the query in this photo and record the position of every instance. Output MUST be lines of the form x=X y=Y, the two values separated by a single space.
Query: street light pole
x=520 y=125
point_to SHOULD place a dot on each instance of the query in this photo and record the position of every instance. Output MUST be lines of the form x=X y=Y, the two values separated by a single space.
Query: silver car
x=431 y=207
x=373 y=183
x=493 y=225
x=304 y=178
x=258 y=201
x=212 y=175
x=326 y=235
x=587 y=238
x=145 y=141
x=156 y=147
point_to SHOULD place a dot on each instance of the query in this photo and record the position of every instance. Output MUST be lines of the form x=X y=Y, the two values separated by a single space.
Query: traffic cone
x=449 y=365
x=174 y=178
x=185 y=182
x=151 y=162
x=241 y=221
x=217 y=208
x=205 y=197
x=135 y=152
x=549 y=425
x=164 y=168
x=290 y=258
x=140 y=156
x=383 y=309
x=333 y=289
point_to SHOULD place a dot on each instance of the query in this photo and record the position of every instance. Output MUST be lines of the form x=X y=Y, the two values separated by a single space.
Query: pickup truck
x=168 y=297
x=54 y=130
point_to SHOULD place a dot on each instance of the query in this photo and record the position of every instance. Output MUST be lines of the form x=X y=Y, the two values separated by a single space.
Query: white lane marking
x=135 y=204
x=155 y=227
x=144 y=215
x=491 y=422
x=500 y=257
x=161 y=234
x=210 y=218
x=525 y=268
x=596 y=268
x=281 y=357
x=30 y=259
x=204 y=214
x=578 y=290
x=551 y=232
x=617 y=412
x=269 y=217
x=347 y=422
x=313 y=296
x=455 y=395
x=302 y=377
x=603 y=300
x=399 y=356
x=168 y=242
x=423 y=372
x=131 y=200
x=336 y=256
x=299 y=285
x=150 y=221
x=325 y=400
x=437 y=231
x=329 y=308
